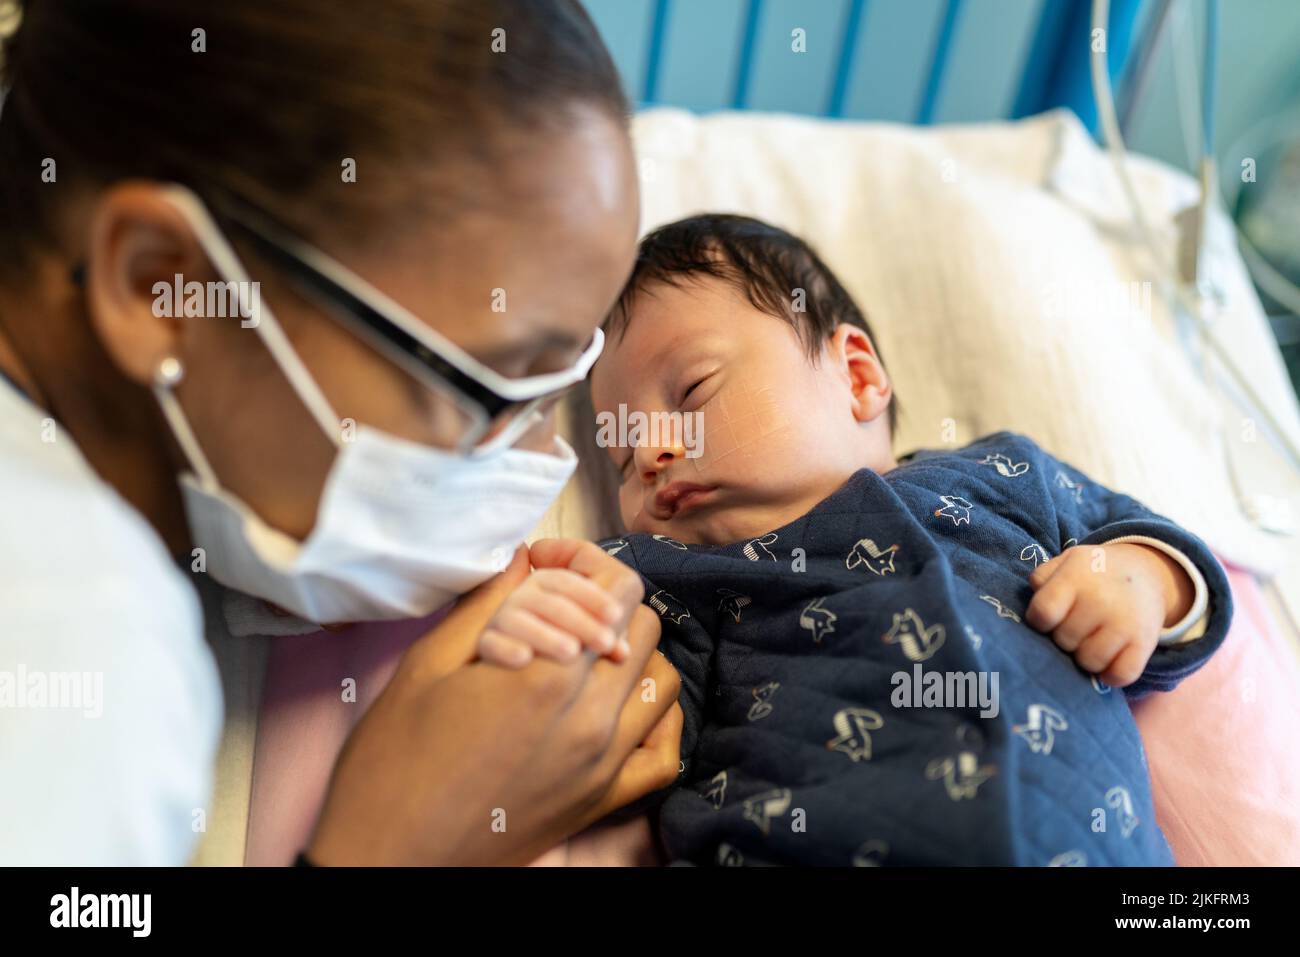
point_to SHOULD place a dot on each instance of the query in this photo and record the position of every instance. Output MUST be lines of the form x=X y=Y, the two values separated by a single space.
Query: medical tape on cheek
x=737 y=423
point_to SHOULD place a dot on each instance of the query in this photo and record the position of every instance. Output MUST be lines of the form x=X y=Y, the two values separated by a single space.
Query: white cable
x=1269 y=278
x=1105 y=100
x=1184 y=54
x=1165 y=270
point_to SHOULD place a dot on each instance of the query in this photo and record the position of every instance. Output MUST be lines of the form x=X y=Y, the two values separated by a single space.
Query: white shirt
x=112 y=764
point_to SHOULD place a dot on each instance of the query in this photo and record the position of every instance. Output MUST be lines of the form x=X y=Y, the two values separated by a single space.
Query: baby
x=883 y=661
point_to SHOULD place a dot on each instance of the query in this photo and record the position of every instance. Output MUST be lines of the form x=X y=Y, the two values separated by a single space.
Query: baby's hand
x=1106 y=605
x=555 y=613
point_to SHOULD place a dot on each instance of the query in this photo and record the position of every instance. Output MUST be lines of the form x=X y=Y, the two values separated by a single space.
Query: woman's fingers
x=641 y=733
x=653 y=696
x=612 y=681
x=650 y=767
x=645 y=753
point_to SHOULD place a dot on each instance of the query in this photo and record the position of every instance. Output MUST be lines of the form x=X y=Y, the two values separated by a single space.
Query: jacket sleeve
x=1088 y=513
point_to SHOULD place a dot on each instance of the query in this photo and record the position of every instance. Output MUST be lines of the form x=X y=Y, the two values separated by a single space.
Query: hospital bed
x=1000 y=267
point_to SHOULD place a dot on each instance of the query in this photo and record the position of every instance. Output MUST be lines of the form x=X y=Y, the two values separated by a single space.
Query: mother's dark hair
x=418 y=92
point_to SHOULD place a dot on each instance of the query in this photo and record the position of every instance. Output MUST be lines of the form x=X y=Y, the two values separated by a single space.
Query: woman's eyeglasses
x=494 y=410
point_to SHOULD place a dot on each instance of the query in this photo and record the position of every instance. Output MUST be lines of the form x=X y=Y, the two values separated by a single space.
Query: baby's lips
x=666 y=501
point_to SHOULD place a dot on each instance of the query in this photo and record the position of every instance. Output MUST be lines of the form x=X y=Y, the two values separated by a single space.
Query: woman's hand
x=462 y=762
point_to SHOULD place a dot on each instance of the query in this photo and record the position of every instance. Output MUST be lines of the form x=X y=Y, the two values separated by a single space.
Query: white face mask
x=401 y=528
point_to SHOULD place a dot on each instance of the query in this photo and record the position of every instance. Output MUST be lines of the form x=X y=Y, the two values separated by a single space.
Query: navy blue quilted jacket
x=806 y=655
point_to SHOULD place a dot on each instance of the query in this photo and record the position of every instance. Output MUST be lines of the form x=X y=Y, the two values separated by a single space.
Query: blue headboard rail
x=920 y=61
x=1057 y=70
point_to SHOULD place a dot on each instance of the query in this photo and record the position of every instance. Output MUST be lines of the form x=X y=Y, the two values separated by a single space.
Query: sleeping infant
x=926 y=660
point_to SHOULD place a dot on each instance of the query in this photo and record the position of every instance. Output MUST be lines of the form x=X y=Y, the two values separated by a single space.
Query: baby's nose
x=651 y=460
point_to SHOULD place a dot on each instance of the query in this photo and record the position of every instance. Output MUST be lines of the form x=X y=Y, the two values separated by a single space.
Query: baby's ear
x=851 y=349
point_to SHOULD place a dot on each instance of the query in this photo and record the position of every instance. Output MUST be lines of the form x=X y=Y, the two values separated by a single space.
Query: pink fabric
x=1224 y=746
x=625 y=844
x=304 y=721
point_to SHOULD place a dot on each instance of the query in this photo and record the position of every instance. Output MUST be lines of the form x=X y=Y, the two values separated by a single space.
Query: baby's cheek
x=630 y=507
x=739 y=428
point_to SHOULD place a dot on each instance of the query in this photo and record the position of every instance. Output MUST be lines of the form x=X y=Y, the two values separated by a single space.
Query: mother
x=464 y=167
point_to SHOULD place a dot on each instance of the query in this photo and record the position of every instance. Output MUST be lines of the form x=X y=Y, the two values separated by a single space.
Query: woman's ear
x=868 y=382
x=139 y=241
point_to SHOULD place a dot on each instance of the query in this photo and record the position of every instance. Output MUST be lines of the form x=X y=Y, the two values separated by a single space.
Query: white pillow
x=978 y=254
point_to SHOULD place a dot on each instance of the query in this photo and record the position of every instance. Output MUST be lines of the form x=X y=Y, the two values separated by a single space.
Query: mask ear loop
x=511 y=434
x=228 y=266
x=168 y=374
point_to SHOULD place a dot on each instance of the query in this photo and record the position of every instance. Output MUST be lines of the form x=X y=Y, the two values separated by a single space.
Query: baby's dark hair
x=769 y=265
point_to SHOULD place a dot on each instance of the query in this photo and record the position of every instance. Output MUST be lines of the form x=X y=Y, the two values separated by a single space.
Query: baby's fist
x=1106 y=606
x=555 y=613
